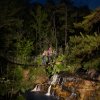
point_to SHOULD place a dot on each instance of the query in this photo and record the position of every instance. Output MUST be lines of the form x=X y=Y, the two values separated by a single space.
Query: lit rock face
x=75 y=88
x=41 y=79
x=70 y=87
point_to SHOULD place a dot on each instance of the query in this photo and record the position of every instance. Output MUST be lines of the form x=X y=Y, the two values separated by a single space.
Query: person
x=50 y=53
x=44 y=57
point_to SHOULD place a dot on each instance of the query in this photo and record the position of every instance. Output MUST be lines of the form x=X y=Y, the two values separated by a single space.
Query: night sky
x=91 y=3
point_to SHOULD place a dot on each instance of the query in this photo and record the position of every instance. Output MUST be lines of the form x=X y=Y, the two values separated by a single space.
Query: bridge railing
x=28 y=60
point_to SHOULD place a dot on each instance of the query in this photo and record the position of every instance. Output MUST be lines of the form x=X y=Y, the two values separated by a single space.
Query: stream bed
x=66 y=88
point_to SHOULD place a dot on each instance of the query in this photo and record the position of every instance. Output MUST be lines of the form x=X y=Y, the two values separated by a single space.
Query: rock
x=41 y=79
x=93 y=74
x=98 y=78
x=61 y=93
x=26 y=74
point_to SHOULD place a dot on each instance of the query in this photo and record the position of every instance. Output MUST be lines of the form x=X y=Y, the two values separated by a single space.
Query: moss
x=20 y=98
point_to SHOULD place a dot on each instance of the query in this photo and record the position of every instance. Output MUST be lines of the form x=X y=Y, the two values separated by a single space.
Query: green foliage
x=18 y=75
x=87 y=44
x=41 y=28
x=58 y=68
x=38 y=60
x=20 y=98
x=89 y=21
x=11 y=82
x=84 y=49
x=72 y=68
x=14 y=80
x=51 y=70
x=21 y=49
x=92 y=64
x=26 y=31
x=24 y=48
x=8 y=10
x=60 y=58
x=11 y=22
x=4 y=86
x=38 y=71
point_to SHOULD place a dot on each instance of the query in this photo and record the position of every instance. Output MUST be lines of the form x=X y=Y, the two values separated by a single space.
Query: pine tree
x=84 y=50
x=41 y=28
x=91 y=23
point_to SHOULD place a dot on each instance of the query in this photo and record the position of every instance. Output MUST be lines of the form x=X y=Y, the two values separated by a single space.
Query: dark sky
x=91 y=3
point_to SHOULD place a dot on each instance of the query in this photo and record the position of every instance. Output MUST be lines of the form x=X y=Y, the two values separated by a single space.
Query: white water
x=49 y=89
x=53 y=82
x=37 y=88
x=54 y=79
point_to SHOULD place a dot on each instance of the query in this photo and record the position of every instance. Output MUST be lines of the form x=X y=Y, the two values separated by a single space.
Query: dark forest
x=38 y=41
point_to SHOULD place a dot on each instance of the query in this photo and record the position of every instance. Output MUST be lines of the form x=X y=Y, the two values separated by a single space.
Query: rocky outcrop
x=93 y=74
x=71 y=87
x=41 y=79
x=76 y=88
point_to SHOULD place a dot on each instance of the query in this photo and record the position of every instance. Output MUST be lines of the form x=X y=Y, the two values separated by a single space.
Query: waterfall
x=37 y=88
x=49 y=89
x=54 y=79
x=53 y=82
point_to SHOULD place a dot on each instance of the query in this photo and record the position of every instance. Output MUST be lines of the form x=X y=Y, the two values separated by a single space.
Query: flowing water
x=64 y=87
x=54 y=79
x=37 y=88
x=34 y=95
x=67 y=88
x=53 y=82
x=48 y=93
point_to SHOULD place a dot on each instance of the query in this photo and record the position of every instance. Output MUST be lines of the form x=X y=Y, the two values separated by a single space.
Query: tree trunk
x=55 y=32
x=98 y=30
x=66 y=35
